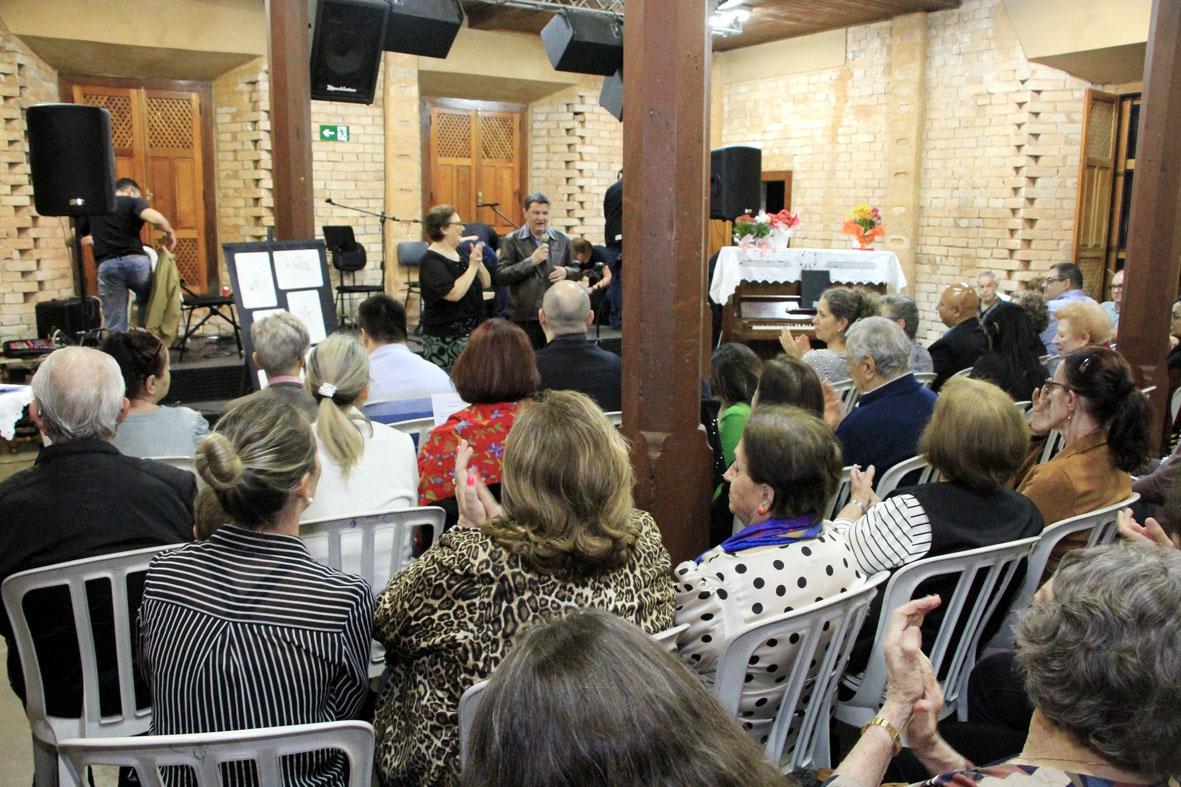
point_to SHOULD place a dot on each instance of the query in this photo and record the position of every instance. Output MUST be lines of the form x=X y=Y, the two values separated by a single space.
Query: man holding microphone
x=532 y=259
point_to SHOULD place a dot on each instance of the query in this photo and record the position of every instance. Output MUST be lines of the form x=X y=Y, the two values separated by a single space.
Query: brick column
x=907 y=110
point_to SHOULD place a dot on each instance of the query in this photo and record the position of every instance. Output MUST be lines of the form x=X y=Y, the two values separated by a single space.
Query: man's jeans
x=116 y=276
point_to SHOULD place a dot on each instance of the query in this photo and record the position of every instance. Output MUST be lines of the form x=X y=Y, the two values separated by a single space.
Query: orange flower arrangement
x=864 y=224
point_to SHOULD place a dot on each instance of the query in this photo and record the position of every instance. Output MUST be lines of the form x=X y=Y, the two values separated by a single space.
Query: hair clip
x=327 y=390
x=1082 y=367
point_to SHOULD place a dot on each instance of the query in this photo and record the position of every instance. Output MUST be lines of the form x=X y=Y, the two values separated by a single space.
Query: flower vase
x=780 y=239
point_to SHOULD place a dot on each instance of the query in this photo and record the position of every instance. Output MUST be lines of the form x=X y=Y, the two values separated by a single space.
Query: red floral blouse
x=485 y=427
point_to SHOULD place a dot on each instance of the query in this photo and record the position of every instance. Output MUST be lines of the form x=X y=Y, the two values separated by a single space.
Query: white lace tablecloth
x=13 y=399
x=845 y=265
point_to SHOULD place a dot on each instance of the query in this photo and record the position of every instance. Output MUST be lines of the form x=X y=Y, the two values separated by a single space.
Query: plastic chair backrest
x=615 y=417
x=1175 y=405
x=205 y=753
x=848 y=393
x=116 y=569
x=988 y=570
x=893 y=477
x=1147 y=390
x=962 y=373
x=840 y=498
x=179 y=462
x=668 y=637
x=826 y=632
x=392 y=411
x=1045 y=359
x=1055 y=442
x=410 y=252
x=1100 y=523
x=925 y=378
x=417 y=428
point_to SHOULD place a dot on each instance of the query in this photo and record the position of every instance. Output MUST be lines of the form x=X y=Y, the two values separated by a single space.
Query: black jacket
x=958 y=349
x=575 y=363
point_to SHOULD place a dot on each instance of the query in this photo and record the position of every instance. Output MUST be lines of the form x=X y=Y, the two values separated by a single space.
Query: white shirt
x=397 y=373
x=386 y=477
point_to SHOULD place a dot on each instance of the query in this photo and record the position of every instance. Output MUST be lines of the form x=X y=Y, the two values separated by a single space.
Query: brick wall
x=575 y=152
x=35 y=262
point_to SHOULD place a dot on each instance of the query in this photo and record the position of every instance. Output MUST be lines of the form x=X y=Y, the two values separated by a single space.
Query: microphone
x=487 y=204
x=329 y=201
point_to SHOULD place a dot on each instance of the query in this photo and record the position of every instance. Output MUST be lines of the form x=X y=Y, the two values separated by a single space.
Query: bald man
x=965 y=340
x=570 y=361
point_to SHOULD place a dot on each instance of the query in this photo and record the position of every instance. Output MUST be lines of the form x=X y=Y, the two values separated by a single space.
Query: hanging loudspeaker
x=346 y=49
x=611 y=94
x=423 y=27
x=71 y=159
x=735 y=181
x=583 y=42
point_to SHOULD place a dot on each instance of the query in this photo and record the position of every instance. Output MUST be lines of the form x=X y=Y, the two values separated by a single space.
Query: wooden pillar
x=1154 y=231
x=665 y=128
x=291 y=119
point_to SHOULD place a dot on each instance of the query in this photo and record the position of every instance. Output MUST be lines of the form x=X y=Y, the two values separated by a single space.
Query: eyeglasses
x=1052 y=279
x=1049 y=384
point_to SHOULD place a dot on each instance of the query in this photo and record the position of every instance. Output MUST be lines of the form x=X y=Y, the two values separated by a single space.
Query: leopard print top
x=450 y=618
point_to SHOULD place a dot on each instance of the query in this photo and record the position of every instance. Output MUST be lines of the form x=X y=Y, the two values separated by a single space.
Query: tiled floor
x=16 y=749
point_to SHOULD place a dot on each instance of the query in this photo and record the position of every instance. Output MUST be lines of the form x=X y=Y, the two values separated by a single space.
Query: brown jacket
x=1080 y=479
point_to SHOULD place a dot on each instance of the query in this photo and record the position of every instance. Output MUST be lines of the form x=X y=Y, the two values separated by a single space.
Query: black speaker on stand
x=346 y=49
x=72 y=165
x=611 y=94
x=735 y=181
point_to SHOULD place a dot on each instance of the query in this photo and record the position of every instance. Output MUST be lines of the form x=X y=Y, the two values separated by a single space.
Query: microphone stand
x=496 y=210
x=382 y=217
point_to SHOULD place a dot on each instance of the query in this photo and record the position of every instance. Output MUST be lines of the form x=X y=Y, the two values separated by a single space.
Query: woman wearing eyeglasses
x=1093 y=402
x=452 y=301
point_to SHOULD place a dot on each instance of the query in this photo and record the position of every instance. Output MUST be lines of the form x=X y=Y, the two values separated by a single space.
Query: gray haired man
x=905 y=312
x=280 y=349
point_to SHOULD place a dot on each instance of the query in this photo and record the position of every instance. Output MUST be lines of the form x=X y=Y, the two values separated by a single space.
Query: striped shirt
x=892 y=534
x=246 y=630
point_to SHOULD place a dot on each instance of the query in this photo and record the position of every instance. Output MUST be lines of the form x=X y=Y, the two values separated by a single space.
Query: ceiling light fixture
x=729 y=18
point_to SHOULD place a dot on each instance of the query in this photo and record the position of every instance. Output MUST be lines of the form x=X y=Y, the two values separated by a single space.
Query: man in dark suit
x=531 y=259
x=613 y=232
x=965 y=340
x=571 y=361
x=81 y=499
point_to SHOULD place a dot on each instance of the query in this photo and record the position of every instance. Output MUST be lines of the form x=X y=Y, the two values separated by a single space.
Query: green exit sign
x=334 y=133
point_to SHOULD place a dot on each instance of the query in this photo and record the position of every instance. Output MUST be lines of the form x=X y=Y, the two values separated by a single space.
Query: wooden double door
x=476 y=155
x=161 y=133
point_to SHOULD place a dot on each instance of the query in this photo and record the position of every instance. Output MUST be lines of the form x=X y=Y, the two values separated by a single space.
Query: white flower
x=762 y=218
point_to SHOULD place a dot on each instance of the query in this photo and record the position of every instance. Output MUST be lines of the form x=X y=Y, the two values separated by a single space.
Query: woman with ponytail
x=838 y=309
x=364 y=466
x=245 y=630
x=1093 y=402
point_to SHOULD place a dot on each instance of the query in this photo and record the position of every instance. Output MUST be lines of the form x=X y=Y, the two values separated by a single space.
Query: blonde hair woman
x=364 y=466
x=566 y=537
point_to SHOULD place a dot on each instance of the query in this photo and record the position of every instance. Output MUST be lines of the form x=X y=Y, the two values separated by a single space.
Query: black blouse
x=440 y=317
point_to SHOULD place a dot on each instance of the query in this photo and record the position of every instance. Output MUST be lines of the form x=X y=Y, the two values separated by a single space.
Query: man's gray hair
x=566 y=308
x=1102 y=654
x=880 y=339
x=279 y=340
x=900 y=307
x=79 y=394
x=536 y=196
x=989 y=274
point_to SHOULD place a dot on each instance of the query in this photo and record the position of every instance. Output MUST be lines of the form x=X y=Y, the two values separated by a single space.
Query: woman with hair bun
x=1093 y=402
x=838 y=309
x=150 y=429
x=364 y=466
x=245 y=630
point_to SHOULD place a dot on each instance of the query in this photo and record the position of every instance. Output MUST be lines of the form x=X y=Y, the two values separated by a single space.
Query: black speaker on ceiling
x=583 y=42
x=346 y=49
x=611 y=94
x=71 y=159
x=735 y=181
x=423 y=27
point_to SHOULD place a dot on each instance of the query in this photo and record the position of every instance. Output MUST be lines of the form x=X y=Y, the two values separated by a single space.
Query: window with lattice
x=497 y=138
x=119 y=108
x=170 y=123
x=187 y=262
x=453 y=135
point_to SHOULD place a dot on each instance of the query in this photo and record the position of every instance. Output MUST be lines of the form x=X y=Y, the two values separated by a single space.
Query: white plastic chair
x=989 y=569
x=840 y=498
x=826 y=632
x=205 y=753
x=372 y=546
x=962 y=373
x=179 y=462
x=1055 y=442
x=893 y=477
x=1045 y=359
x=925 y=378
x=615 y=417
x=1147 y=390
x=1025 y=405
x=417 y=428
x=48 y=730
x=1101 y=524
x=668 y=637
x=1175 y=405
x=848 y=393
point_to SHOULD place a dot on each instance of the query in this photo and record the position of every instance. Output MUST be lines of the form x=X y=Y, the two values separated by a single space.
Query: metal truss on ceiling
x=610 y=7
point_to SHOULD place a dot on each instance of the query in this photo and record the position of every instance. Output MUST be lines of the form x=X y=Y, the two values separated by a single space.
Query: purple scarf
x=772 y=532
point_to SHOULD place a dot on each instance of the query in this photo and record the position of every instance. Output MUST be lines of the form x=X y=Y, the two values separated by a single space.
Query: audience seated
x=149 y=429
x=549 y=717
x=977 y=440
x=1094 y=403
x=1063 y=285
x=964 y=340
x=495 y=371
x=245 y=630
x=364 y=466
x=905 y=312
x=570 y=360
x=280 y=346
x=567 y=537
x=838 y=309
x=786 y=469
x=884 y=427
x=1117 y=296
x=1035 y=306
x=81 y=499
x=788 y=380
x=402 y=381
x=733 y=377
x=1013 y=359
x=1080 y=324
x=987 y=292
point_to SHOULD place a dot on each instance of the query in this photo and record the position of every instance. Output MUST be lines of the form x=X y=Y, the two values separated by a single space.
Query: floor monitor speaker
x=423 y=27
x=611 y=95
x=346 y=49
x=71 y=159
x=584 y=42
x=735 y=180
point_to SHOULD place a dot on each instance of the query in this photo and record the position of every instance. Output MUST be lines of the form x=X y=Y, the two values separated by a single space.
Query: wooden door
x=1096 y=168
x=475 y=156
x=161 y=139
